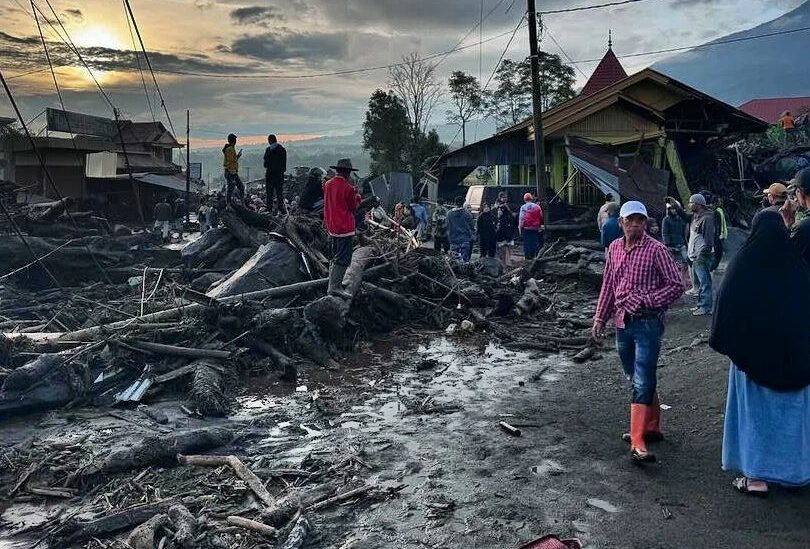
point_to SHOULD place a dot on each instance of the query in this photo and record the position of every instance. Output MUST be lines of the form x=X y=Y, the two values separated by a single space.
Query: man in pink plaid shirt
x=640 y=282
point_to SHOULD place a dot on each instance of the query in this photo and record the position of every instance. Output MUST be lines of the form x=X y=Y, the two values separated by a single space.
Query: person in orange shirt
x=787 y=122
x=788 y=125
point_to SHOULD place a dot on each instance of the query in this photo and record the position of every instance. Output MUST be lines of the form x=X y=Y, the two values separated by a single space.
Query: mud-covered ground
x=417 y=415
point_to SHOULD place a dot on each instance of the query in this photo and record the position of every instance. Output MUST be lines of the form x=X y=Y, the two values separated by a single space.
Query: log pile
x=262 y=310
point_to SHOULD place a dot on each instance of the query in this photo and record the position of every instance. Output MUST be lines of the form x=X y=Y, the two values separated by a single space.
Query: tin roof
x=770 y=110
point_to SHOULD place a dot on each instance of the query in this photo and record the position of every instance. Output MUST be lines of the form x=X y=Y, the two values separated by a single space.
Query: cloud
x=73 y=15
x=256 y=15
x=25 y=53
x=286 y=46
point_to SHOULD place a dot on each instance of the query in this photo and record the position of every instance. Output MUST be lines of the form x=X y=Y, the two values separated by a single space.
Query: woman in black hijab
x=767 y=337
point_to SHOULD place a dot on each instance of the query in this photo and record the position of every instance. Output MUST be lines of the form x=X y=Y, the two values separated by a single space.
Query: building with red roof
x=771 y=109
x=608 y=72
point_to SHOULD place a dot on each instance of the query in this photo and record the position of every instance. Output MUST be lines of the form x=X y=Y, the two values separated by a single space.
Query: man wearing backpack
x=440 y=240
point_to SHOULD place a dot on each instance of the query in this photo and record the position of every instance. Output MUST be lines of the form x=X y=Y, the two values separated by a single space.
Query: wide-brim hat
x=344 y=164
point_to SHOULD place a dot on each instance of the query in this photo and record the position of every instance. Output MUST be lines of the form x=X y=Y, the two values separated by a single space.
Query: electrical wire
x=573 y=63
x=140 y=69
x=148 y=64
x=26 y=73
x=701 y=46
x=47 y=172
x=69 y=42
x=594 y=7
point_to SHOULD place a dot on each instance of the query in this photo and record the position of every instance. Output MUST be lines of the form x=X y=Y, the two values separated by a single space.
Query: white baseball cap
x=633 y=207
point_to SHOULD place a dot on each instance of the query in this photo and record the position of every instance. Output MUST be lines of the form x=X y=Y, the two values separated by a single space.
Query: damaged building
x=633 y=135
x=92 y=165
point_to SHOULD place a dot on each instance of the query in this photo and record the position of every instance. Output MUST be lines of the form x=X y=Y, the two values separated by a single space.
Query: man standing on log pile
x=231 y=164
x=341 y=201
x=275 y=164
x=699 y=249
x=640 y=282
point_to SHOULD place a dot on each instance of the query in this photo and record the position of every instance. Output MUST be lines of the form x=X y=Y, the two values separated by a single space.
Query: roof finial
x=610 y=38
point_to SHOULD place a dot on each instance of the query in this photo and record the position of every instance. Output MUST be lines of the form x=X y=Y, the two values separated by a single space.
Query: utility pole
x=188 y=165
x=537 y=111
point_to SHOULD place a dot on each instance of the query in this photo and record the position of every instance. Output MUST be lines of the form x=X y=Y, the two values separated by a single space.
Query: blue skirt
x=767 y=433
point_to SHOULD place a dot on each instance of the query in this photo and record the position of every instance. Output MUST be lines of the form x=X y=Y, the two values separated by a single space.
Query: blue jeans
x=464 y=250
x=532 y=242
x=701 y=272
x=639 y=344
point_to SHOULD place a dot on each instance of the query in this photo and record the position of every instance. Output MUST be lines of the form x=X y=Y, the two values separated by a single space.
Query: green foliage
x=393 y=143
x=386 y=132
x=511 y=101
x=467 y=100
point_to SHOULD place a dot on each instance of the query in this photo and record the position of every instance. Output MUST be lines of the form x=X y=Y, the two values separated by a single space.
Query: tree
x=424 y=151
x=465 y=91
x=556 y=80
x=511 y=101
x=415 y=83
x=386 y=133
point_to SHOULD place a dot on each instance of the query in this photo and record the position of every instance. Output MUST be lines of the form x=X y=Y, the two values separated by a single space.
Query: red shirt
x=645 y=277
x=340 y=203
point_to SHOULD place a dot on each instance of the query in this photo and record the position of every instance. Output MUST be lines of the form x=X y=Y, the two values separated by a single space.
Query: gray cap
x=698 y=199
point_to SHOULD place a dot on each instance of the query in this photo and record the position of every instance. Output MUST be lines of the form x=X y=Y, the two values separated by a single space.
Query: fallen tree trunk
x=112 y=523
x=88 y=334
x=162 y=450
x=246 y=236
x=532 y=299
x=253 y=525
x=248 y=477
x=143 y=537
x=207 y=394
x=174 y=350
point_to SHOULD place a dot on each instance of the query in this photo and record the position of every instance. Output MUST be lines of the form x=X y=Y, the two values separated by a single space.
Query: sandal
x=743 y=485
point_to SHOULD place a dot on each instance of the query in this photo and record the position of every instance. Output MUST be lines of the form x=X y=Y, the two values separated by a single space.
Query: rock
x=451 y=329
x=467 y=326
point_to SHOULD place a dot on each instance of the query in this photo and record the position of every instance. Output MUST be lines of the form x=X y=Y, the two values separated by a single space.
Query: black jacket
x=275 y=159
x=485 y=226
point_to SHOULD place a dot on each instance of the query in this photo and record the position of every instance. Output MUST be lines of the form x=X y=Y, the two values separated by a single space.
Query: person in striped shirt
x=641 y=280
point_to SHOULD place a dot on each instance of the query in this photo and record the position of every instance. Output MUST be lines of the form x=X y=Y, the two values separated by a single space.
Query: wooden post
x=537 y=111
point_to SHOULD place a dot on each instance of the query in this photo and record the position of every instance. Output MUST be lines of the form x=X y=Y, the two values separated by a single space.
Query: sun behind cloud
x=97 y=36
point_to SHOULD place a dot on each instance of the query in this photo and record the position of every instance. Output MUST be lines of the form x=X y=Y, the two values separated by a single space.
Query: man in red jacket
x=341 y=201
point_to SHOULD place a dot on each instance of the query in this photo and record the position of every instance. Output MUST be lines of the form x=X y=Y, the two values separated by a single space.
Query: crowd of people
x=766 y=438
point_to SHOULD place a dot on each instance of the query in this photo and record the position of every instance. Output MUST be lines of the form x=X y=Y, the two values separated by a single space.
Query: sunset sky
x=294 y=39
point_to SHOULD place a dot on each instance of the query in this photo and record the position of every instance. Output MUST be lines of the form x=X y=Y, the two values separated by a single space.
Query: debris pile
x=247 y=300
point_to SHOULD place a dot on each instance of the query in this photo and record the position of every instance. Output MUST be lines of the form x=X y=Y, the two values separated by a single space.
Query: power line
x=48 y=177
x=334 y=73
x=574 y=63
x=138 y=61
x=478 y=25
x=26 y=73
x=701 y=46
x=69 y=42
x=584 y=8
x=148 y=64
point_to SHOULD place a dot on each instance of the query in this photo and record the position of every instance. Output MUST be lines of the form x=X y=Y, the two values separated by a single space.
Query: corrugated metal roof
x=177 y=183
x=770 y=110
